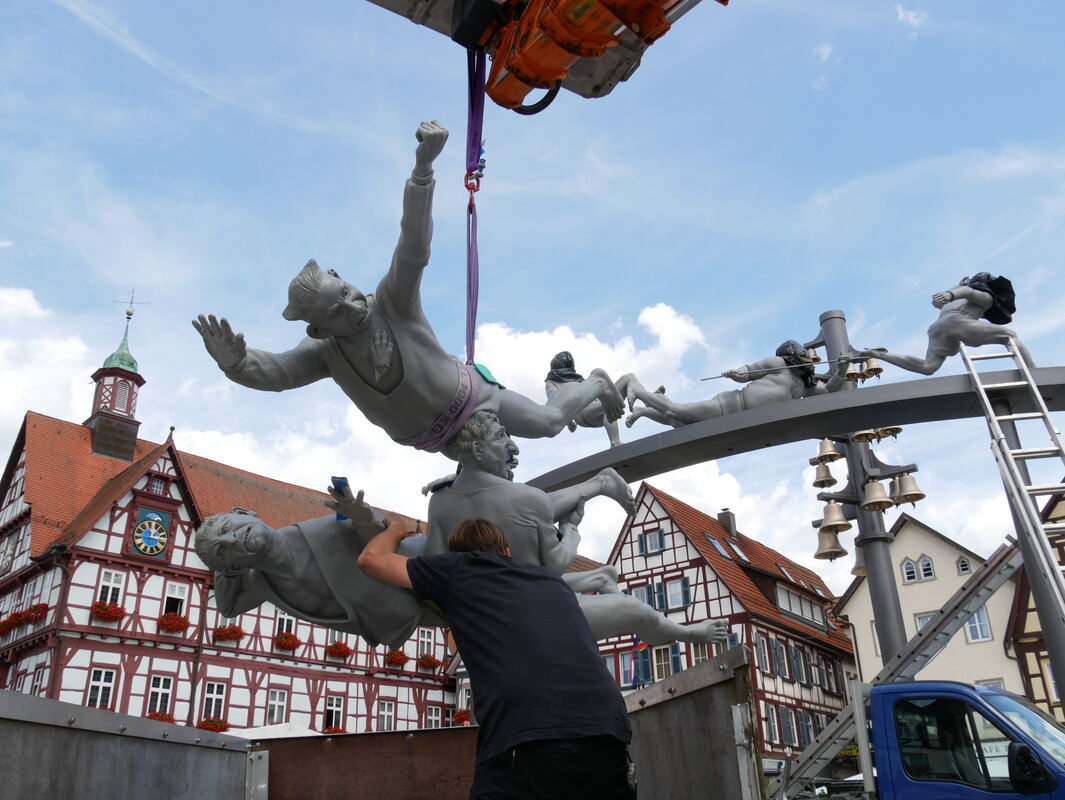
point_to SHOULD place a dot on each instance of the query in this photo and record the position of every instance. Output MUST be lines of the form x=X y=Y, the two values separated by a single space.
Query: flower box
x=287 y=641
x=338 y=650
x=334 y=729
x=228 y=633
x=107 y=612
x=160 y=716
x=427 y=661
x=461 y=717
x=396 y=658
x=35 y=613
x=10 y=622
x=213 y=724
x=173 y=622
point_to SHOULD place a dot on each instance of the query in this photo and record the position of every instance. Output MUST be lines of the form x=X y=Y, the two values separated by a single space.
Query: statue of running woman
x=962 y=315
x=381 y=350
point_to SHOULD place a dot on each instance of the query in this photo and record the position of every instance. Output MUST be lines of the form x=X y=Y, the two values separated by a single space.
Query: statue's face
x=341 y=309
x=497 y=453
x=242 y=540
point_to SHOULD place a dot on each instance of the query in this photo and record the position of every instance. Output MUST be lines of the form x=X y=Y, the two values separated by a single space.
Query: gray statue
x=382 y=352
x=788 y=375
x=309 y=570
x=484 y=489
x=963 y=311
x=563 y=371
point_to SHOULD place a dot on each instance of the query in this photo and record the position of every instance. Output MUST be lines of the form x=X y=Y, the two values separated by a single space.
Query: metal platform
x=869 y=406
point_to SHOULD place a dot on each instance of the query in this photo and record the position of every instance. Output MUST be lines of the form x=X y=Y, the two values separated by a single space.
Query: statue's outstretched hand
x=226 y=348
x=431 y=138
x=940 y=299
x=721 y=630
x=731 y=373
x=354 y=508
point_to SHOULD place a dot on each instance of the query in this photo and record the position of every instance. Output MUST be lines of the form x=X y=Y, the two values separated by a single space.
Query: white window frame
x=434 y=717
x=276 y=706
x=101 y=687
x=926 y=565
x=909 y=571
x=179 y=592
x=926 y=616
x=112 y=584
x=700 y=652
x=38 y=679
x=284 y=622
x=160 y=693
x=677 y=602
x=334 y=711
x=214 y=699
x=978 y=627
x=963 y=565
x=992 y=683
x=609 y=664
x=386 y=715
x=658 y=536
x=736 y=548
x=625 y=669
x=772 y=731
x=790 y=727
x=426 y=641
x=663 y=669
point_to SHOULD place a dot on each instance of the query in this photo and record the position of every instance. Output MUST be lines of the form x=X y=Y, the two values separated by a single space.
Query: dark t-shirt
x=533 y=662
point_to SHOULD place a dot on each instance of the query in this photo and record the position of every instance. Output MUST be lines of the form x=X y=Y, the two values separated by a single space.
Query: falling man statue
x=788 y=375
x=962 y=315
x=563 y=371
x=381 y=350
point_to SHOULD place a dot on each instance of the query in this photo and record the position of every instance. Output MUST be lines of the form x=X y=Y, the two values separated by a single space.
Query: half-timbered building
x=693 y=567
x=104 y=602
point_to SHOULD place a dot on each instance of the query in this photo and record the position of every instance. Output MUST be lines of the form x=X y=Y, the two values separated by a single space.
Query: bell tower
x=112 y=422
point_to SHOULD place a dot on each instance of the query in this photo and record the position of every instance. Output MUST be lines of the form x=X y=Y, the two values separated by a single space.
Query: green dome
x=122 y=358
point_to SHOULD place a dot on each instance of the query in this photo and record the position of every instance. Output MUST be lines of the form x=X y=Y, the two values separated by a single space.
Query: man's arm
x=400 y=287
x=257 y=369
x=558 y=548
x=752 y=372
x=380 y=560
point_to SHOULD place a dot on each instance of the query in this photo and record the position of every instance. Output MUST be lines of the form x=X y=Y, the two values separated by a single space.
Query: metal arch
x=904 y=403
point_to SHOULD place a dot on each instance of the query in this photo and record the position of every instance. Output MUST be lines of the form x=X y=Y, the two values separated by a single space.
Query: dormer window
x=964 y=567
x=157 y=485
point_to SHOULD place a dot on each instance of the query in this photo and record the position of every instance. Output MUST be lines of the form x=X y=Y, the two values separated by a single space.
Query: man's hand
x=431 y=138
x=355 y=509
x=226 y=348
x=731 y=373
x=380 y=560
x=940 y=299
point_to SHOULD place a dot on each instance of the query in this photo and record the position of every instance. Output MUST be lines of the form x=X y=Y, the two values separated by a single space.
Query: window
x=736 y=549
x=101 y=686
x=386 y=715
x=785 y=573
x=761 y=653
x=733 y=640
x=425 y=641
x=159 y=693
x=927 y=570
x=652 y=542
x=978 y=628
x=804 y=607
x=122 y=397
x=111 y=584
x=157 y=485
x=787 y=727
x=284 y=623
x=964 y=567
x=608 y=662
x=20 y=682
x=771 y=734
x=678 y=593
x=175 y=598
x=817 y=670
x=466 y=698
x=214 y=699
x=434 y=717
x=334 y=711
x=909 y=571
x=663 y=663
x=644 y=594
x=38 y=680
x=798 y=664
x=924 y=619
x=627 y=676
x=276 y=706
x=700 y=652
x=992 y=683
x=806 y=728
x=780 y=660
x=718 y=547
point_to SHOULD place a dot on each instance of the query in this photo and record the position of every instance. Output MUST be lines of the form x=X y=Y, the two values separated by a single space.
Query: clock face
x=149 y=537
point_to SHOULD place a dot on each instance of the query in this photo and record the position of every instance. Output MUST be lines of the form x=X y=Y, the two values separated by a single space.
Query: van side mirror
x=1027 y=773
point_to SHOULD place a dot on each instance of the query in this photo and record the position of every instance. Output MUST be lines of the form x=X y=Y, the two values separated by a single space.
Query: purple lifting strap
x=475 y=63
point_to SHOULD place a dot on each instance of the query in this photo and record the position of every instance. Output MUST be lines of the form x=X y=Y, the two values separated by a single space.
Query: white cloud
x=6 y=243
x=20 y=304
x=823 y=52
x=912 y=19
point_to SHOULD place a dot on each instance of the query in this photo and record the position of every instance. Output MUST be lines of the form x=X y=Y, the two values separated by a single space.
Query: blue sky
x=768 y=161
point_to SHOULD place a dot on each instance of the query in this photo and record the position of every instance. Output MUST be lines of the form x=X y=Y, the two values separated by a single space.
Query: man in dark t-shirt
x=552 y=721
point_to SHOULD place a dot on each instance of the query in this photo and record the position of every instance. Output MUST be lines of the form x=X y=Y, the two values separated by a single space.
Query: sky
x=767 y=162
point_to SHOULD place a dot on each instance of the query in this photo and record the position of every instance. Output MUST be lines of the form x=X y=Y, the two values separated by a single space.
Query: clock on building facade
x=151 y=533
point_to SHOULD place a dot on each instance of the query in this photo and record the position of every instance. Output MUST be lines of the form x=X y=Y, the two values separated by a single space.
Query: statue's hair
x=460 y=445
x=208 y=531
x=478 y=535
x=303 y=292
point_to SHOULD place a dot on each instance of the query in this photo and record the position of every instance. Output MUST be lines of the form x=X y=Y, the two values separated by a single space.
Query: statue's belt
x=452 y=418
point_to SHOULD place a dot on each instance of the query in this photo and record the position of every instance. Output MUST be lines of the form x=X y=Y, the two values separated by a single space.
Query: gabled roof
x=738 y=575
x=69 y=487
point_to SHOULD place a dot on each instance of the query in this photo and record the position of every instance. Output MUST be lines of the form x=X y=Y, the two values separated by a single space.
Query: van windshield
x=1046 y=732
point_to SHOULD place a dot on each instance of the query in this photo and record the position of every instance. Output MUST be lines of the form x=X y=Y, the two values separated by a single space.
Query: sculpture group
x=382 y=352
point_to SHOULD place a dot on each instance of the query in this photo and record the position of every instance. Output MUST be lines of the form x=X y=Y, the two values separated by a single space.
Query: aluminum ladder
x=918 y=651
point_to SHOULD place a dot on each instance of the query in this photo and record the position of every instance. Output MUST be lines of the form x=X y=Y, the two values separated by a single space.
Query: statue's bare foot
x=630 y=420
x=611 y=399
x=710 y=630
x=615 y=487
x=870 y=352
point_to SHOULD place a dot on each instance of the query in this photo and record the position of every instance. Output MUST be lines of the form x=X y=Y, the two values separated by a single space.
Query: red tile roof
x=737 y=575
x=69 y=487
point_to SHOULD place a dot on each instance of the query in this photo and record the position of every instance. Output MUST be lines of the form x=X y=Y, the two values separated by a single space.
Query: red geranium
x=427 y=661
x=36 y=613
x=286 y=641
x=396 y=658
x=460 y=717
x=228 y=633
x=338 y=650
x=107 y=612
x=10 y=622
x=214 y=724
x=161 y=716
x=173 y=622
x=334 y=729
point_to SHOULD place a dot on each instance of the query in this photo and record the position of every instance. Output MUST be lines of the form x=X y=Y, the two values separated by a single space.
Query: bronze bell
x=871 y=369
x=833 y=520
x=866 y=435
x=904 y=489
x=828 y=546
x=823 y=477
x=876 y=499
x=858 y=570
x=888 y=430
x=827 y=452
x=854 y=371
